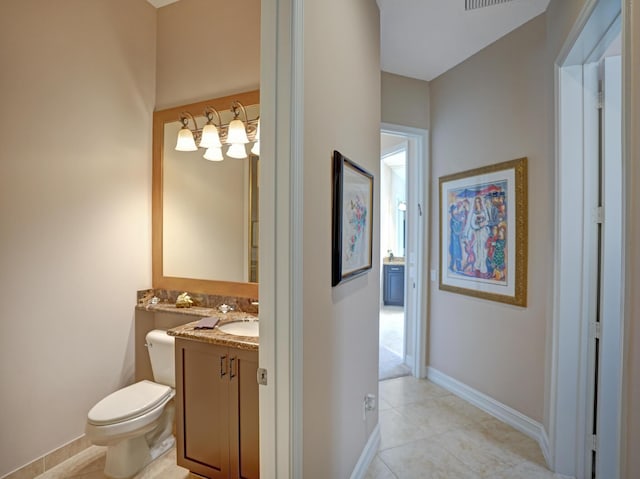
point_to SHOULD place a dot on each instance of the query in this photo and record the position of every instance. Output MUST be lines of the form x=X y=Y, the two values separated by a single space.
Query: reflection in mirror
x=206 y=212
x=205 y=221
x=254 y=231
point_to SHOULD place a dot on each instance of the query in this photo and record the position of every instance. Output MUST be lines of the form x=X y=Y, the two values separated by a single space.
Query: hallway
x=429 y=433
x=390 y=358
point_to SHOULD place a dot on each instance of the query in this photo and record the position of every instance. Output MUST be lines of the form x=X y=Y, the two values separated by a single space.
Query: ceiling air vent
x=473 y=4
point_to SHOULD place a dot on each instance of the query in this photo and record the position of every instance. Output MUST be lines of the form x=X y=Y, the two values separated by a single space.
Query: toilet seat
x=129 y=403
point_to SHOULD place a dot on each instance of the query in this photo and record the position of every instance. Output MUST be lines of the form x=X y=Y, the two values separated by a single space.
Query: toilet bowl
x=136 y=422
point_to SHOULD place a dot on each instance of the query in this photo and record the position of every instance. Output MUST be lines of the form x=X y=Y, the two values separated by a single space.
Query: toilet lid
x=129 y=402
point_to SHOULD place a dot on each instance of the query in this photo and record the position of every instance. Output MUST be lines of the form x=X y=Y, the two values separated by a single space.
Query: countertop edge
x=214 y=336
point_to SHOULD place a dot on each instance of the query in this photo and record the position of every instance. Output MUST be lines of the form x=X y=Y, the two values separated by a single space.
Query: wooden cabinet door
x=202 y=400
x=244 y=427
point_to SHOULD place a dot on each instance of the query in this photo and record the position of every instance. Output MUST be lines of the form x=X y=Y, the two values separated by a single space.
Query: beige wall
x=484 y=111
x=561 y=16
x=405 y=101
x=340 y=324
x=77 y=88
x=207 y=49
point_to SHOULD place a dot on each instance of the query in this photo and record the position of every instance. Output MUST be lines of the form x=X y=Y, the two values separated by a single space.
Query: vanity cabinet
x=393 y=284
x=217 y=410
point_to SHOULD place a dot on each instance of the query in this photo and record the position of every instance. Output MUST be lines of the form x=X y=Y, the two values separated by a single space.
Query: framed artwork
x=352 y=229
x=483 y=232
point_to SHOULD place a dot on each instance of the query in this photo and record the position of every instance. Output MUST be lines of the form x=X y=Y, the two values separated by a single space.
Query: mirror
x=205 y=213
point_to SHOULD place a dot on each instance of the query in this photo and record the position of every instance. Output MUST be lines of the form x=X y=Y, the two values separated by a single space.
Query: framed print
x=483 y=232
x=352 y=227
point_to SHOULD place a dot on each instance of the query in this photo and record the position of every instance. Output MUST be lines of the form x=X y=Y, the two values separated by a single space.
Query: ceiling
x=425 y=38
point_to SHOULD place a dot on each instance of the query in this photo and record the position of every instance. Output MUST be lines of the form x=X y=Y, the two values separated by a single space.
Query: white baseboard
x=368 y=453
x=508 y=415
x=545 y=448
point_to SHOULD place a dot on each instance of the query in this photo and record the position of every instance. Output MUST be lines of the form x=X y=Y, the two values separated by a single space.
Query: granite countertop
x=399 y=261
x=214 y=336
x=197 y=311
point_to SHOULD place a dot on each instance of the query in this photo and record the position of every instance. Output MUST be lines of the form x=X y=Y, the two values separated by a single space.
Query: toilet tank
x=161 y=349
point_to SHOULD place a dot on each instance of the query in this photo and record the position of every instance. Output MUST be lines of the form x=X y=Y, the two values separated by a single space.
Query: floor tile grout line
x=388 y=466
x=474 y=422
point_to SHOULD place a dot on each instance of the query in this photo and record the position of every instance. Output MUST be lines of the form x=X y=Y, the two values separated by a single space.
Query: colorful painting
x=483 y=216
x=352 y=219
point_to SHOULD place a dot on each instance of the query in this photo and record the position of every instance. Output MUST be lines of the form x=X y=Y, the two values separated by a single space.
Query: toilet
x=136 y=422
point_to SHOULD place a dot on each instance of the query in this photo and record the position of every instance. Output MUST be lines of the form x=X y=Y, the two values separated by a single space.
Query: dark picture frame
x=352 y=220
x=483 y=232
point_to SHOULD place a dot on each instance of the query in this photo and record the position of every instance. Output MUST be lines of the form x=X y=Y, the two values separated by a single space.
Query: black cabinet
x=393 y=285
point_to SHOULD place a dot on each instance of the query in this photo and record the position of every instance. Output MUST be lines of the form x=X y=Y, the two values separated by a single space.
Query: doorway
x=393 y=242
x=587 y=356
x=403 y=190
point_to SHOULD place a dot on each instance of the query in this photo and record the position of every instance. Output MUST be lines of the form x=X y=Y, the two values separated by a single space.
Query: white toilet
x=136 y=422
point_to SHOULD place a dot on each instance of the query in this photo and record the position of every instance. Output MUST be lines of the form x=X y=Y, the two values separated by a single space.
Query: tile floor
x=89 y=464
x=426 y=432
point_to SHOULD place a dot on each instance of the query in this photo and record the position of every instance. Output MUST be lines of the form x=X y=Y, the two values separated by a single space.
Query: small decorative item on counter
x=184 y=301
x=390 y=254
x=225 y=308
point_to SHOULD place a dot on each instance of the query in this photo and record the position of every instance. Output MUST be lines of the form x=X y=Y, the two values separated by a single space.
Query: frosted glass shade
x=213 y=154
x=185 y=141
x=237 y=150
x=237 y=134
x=210 y=137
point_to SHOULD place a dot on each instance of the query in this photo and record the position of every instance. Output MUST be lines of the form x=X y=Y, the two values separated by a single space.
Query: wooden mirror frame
x=206 y=286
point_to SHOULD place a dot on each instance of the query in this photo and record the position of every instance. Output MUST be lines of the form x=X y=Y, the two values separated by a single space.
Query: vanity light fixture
x=212 y=136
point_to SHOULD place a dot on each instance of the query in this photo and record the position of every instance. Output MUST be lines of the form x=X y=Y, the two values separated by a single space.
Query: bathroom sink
x=240 y=328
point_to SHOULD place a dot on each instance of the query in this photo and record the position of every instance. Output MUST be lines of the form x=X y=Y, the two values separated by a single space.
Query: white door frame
x=281 y=145
x=417 y=224
x=576 y=96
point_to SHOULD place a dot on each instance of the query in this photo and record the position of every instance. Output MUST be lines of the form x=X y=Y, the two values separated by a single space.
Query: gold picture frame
x=483 y=232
